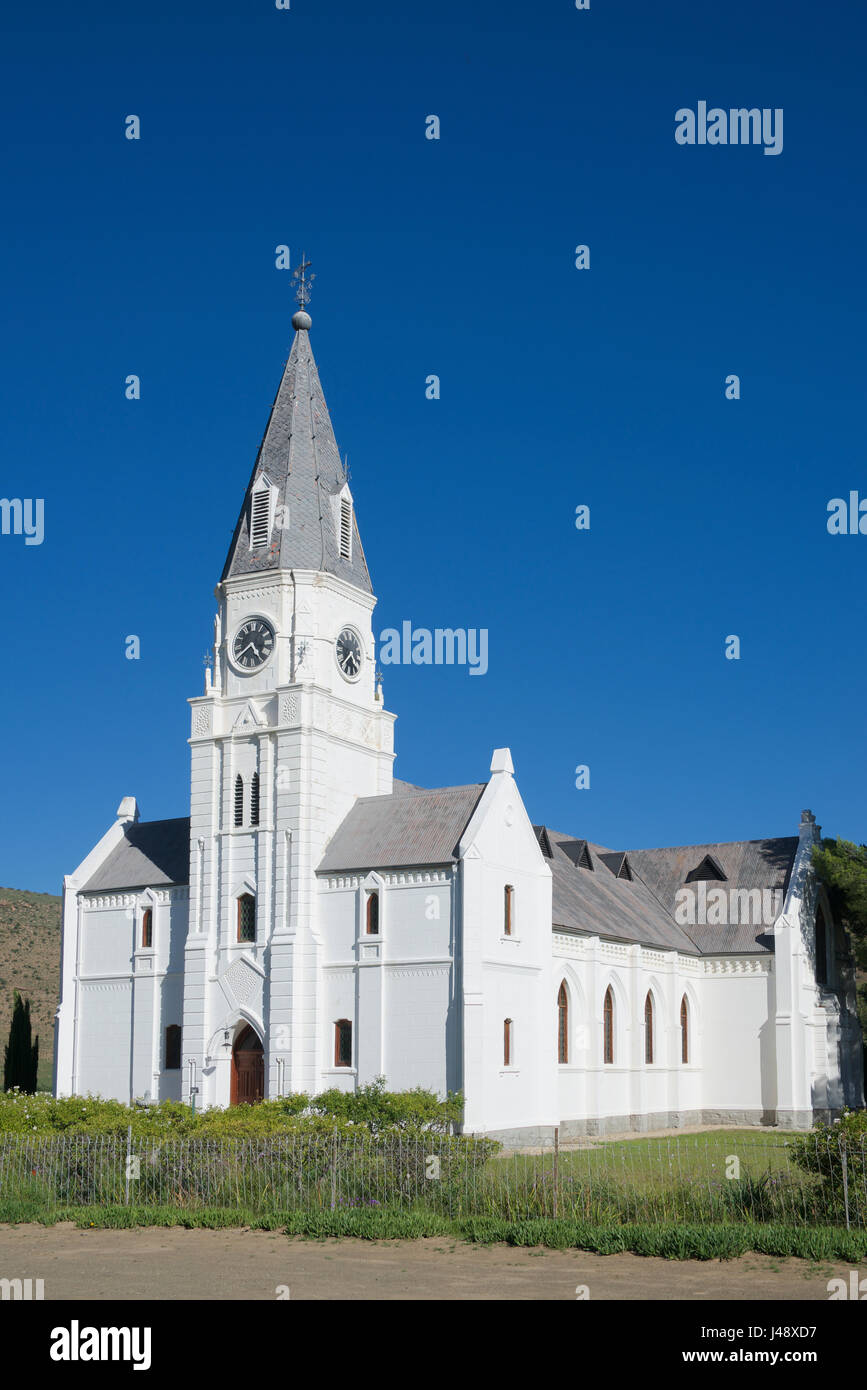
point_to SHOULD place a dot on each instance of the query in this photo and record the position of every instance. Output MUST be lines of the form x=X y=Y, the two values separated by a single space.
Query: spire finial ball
x=301 y=319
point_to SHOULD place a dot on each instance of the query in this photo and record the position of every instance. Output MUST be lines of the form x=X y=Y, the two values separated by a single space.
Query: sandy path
x=170 y=1263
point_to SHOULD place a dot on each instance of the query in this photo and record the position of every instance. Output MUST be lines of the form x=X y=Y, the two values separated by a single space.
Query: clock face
x=349 y=653
x=253 y=644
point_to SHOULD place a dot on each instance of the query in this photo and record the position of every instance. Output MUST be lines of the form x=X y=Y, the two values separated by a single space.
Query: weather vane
x=304 y=281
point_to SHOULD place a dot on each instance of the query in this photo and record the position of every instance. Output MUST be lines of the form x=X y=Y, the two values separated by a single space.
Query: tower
x=289 y=732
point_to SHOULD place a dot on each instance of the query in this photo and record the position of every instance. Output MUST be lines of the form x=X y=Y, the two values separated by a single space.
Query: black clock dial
x=349 y=653
x=253 y=644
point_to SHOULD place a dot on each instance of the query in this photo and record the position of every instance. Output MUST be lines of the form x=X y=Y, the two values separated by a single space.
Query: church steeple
x=298 y=511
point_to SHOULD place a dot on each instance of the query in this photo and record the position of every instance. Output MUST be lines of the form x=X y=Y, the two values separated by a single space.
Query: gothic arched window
x=508 y=909
x=247 y=918
x=608 y=1027
x=563 y=1024
x=372 y=914
x=147 y=934
x=684 y=1030
x=507 y=1042
x=648 y=1028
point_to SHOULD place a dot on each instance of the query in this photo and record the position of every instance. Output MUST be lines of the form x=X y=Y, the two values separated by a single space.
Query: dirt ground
x=170 y=1263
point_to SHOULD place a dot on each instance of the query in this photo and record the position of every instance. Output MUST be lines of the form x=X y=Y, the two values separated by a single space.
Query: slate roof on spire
x=300 y=457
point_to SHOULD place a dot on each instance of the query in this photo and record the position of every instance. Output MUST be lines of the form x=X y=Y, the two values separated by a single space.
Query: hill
x=30 y=963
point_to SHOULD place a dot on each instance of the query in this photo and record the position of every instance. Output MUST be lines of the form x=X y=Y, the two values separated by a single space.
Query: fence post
x=128 y=1155
x=334 y=1174
x=556 y=1168
x=845 y=1179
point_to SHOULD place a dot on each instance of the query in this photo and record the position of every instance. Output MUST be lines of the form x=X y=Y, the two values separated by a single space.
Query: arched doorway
x=248 y=1068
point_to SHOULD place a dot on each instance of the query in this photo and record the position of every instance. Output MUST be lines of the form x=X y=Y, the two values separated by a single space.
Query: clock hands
x=253 y=644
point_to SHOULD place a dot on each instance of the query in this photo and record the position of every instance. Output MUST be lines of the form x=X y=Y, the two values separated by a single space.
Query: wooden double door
x=248 y=1069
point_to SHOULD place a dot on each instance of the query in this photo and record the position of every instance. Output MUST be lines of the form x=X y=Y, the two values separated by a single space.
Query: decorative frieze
x=397 y=879
x=106 y=902
x=270 y=592
x=738 y=965
x=420 y=973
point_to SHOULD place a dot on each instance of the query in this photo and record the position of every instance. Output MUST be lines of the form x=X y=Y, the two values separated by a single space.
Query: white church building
x=316 y=923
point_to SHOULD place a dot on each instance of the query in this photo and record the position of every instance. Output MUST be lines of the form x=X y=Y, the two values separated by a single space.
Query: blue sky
x=558 y=387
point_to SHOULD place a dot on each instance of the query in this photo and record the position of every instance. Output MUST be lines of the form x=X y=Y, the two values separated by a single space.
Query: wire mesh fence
x=807 y=1180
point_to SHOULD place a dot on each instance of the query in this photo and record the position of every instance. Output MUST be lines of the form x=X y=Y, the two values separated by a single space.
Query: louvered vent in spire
x=260 y=517
x=345 y=529
x=239 y=800
x=254 y=799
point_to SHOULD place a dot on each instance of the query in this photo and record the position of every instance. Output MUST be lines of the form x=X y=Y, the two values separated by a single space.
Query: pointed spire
x=306 y=519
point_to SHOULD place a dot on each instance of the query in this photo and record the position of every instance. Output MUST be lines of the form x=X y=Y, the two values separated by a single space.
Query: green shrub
x=416 y=1112
x=837 y=1155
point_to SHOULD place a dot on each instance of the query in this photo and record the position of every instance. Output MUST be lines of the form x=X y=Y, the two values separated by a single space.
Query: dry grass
x=30 y=963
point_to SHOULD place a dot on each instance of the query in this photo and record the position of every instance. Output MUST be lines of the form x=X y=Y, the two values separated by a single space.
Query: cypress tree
x=22 y=1056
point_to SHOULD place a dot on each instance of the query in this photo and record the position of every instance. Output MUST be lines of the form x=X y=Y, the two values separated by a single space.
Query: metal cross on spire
x=304 y=281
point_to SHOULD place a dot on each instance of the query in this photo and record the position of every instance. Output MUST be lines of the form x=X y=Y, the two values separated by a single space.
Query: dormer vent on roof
x=710 y=870
x=618 y=864
x=544 y=841
x=577 y=851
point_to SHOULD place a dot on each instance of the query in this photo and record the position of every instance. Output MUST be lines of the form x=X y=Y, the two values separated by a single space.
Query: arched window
x=343 y=1043
x=563 y=1024
x=147 y=933
x=239 y=800
x=684 y=1030
x=508 y=909
x=247 y=918
x=648 y=1028
x=821 y=948
x=507 y=1042
x=254 y=799
x=173 y=1047
x=372 y=914
x=608 y=1027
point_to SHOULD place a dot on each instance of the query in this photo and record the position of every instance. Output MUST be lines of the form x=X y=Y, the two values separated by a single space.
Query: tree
x=842 y=867
x=22 y=1056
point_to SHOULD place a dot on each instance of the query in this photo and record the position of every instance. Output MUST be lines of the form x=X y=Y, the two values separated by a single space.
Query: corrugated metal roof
x=414 y=827
x=300 y=456
x=151 y=853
